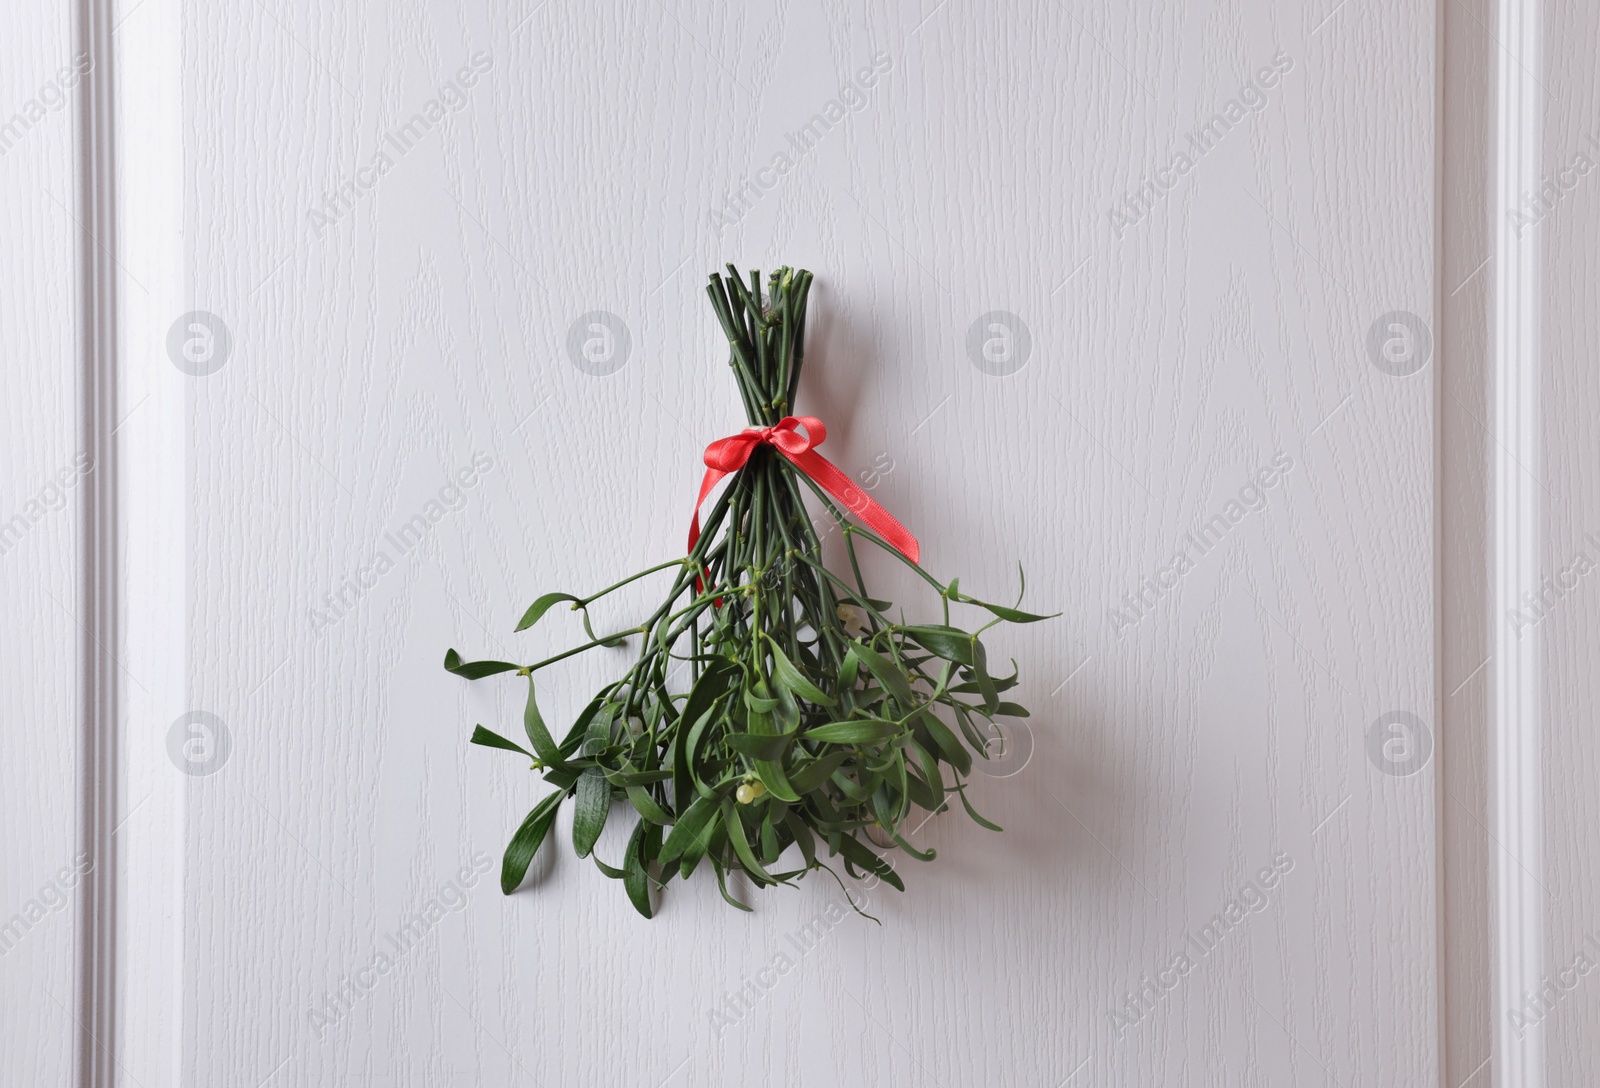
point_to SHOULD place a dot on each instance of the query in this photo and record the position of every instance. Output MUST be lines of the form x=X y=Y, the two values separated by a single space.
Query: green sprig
x=795 y=730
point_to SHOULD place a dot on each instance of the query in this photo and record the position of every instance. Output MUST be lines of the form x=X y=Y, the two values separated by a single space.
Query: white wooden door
x=1140 y=296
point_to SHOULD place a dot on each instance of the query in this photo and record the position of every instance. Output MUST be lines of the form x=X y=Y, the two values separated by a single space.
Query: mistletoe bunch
x=809 y=718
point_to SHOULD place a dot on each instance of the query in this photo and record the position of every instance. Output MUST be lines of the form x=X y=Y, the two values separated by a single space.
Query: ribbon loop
x=729 y=455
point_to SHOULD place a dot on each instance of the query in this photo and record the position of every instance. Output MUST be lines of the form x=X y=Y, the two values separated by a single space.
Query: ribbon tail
x=829 y=477
x=711 y=477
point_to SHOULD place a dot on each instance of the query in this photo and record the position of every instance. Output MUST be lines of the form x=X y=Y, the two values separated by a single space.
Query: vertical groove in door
x=1464 y=511
x=1517 y=733
x=96 y=950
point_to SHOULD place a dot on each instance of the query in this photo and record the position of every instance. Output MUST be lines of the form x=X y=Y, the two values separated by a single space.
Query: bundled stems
x=808 y=716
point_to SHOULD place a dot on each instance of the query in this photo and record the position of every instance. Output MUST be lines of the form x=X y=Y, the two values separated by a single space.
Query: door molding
x=100 y=724
x=1516 y=727
x=131 y=975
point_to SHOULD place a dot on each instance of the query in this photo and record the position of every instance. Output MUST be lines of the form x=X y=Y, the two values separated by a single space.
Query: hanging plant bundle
x=773 y=702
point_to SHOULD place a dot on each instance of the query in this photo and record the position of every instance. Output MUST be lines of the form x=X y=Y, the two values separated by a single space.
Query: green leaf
x=757 y=703
x=785 y=673
x=526 y=842
x=811 y=776
x=979 y=820
x=946 y=741
x=741 y=845
x=978 y=741
x=930 y=771
x=490 y=739
x=722 y=886
x=697 y=737
x=1001 y=683
x=711 y=686
x=980 y=673
x=637 y=778
x=848 y=670
x=689 y=827
x=1011 y=615
x=888 y=673
x=759 y=722
x=590 y=808
x=563 y=778
x=597 y=738
x=609 y=870
x=475 y=670
x=757 y=747
x=574 y=738
x=921 y=855
x=855 y=731
x=540 y=607
x=771 y=774
x=636 y=872
x=712 y=834
x=889 y=796
x=769 y=841
x=646 y=806
x=619 y=639
x=865 y=859
x=803 y=838
x=537 y=733
x=921 y=793
x=1012 y=710
x=946 y=642
x=786 y=715
x=854 y=791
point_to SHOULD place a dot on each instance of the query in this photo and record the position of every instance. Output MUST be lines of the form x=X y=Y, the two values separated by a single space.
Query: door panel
x=1209 y=305
x=1564 y=615
x=43 y=473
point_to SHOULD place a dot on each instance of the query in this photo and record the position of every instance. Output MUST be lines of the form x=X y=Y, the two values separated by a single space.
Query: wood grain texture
x=1570 y=625
x=40 y=489
x=1172 y=759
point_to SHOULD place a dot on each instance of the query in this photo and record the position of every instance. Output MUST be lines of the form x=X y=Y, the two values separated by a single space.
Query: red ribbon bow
x=728 y=455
